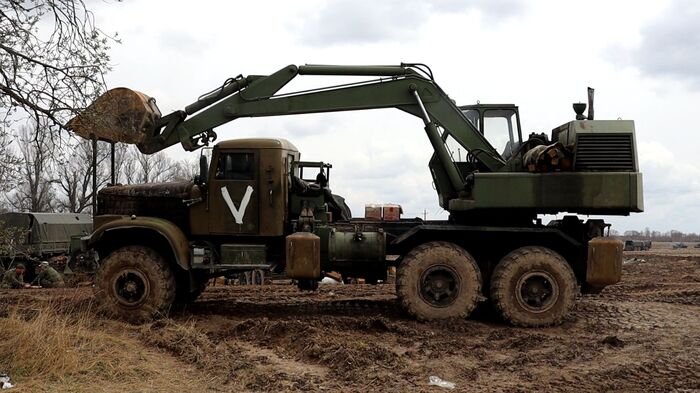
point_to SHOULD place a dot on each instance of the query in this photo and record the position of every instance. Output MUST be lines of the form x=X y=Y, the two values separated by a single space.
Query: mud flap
x=604 y=265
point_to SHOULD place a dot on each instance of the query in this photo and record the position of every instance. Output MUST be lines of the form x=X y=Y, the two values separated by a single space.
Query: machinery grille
x=604 y=152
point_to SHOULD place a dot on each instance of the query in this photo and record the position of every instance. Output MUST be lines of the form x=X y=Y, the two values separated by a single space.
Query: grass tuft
x=59 y=346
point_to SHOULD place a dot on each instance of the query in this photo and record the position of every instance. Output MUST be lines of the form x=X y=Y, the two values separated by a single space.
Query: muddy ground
x=641 y=335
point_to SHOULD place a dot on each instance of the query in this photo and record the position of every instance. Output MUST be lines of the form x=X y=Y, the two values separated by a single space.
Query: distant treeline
x=657 y=236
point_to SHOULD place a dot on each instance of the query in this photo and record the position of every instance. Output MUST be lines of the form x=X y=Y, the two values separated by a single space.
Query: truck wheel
x=134 y=283
x=257 y=277
x=533 y=286
x=438 y=280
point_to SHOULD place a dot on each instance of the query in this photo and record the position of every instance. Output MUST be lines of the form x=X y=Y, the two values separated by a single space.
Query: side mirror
x=203 y=170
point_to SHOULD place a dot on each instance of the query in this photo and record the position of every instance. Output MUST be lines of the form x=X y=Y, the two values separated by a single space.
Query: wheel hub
x=537 y=291
x=439 y=286
x=131 y=288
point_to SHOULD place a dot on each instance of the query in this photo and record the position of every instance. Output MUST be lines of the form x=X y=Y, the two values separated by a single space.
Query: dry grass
x=52 y=347
x=184 y=340
x=41 y=342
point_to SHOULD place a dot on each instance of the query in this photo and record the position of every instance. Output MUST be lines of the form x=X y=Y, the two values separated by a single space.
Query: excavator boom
x=122 y=115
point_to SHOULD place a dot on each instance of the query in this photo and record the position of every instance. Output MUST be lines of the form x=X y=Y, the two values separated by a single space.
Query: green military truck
x=249 y=208
x=29 y=238
x=637 y=245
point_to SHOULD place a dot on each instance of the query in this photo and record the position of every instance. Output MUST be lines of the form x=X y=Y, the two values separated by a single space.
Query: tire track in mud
x=278 y=301
x=655 y=374
x=637 y=315
x=350 y=307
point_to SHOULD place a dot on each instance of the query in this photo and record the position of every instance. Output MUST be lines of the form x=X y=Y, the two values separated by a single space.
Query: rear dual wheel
x=533 y=286
x=253 y=277
x=438 y=280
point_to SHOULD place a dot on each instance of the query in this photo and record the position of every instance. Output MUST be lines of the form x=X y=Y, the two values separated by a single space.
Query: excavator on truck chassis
x=159 y=243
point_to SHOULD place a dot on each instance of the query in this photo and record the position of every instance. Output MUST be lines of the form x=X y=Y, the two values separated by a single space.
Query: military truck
x=249 y=208
x=637 y=245
x=31 y=237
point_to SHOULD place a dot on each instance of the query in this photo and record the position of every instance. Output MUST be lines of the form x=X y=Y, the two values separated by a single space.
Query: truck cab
x=246 y=191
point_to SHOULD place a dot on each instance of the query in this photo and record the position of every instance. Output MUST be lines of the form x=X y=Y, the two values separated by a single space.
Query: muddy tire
x=438 y=280
x=533 y=286
x=134 y=283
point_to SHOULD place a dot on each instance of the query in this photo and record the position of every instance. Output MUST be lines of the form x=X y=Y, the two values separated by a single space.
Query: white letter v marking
x=240 y=212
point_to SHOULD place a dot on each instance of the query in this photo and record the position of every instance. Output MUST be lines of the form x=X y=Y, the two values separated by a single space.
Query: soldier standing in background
x=14 y=278
x=48 y=277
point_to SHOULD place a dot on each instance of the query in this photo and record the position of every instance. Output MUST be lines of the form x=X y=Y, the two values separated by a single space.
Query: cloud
x=670 y=45
x=176 y=40
x=671 y=187
x=367 y=21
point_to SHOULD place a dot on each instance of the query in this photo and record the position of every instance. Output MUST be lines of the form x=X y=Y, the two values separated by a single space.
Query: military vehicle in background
x=637 y=245
x=679 y=245
x=29 y=238
x=251 y=209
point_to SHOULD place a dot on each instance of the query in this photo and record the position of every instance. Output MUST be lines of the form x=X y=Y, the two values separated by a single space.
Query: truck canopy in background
x=45 y=233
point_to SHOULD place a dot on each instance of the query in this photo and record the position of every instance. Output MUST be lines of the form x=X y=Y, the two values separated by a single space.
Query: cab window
x=473 y=116
x=235 y=166
x=501 y=130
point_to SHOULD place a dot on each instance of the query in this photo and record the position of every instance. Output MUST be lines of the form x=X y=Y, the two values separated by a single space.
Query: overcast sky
x=643 y=59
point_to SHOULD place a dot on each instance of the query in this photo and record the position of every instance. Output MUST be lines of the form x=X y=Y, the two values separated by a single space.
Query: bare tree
x=185 y=170
x=50 y=72
x=52 y=61
x=147 y=168
x=75 y=176
x=35 y=192
x=9 y=164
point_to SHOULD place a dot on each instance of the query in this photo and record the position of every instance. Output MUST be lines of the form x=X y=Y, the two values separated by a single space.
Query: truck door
x=233 y=193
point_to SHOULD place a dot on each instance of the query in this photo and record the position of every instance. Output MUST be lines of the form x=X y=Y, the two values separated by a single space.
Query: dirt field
x=641 y=335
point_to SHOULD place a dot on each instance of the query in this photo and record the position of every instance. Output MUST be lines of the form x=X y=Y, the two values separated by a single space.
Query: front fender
x=177 y=240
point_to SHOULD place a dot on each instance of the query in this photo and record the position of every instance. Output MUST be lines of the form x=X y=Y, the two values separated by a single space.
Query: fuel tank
x=348 y=245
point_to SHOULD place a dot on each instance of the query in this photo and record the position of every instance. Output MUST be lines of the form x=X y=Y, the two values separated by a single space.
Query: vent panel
x=604 y=152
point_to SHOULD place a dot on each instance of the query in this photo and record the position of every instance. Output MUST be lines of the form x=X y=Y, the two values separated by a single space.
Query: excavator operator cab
x=498 y=123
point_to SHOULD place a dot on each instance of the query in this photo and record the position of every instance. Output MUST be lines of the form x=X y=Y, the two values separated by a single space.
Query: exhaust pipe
x=590 y=103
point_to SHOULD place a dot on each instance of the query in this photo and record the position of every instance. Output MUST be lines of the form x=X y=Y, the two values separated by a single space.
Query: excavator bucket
x=119 y=115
